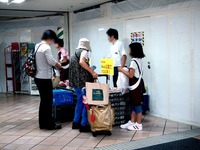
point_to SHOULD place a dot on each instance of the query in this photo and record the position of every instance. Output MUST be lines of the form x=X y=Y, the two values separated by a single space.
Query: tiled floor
x=19 y=129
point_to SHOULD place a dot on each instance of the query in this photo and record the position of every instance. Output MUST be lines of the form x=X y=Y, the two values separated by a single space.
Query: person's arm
x=83 y=64
x=123 y=61
x=51 y=60
x=129 y=74
x=123 y=54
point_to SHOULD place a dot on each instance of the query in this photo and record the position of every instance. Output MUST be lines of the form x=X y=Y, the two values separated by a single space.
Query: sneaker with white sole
x=129 y=123
x=135 y=127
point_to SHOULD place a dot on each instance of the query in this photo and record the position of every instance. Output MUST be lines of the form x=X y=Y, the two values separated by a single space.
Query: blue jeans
x=137 y=109
x=80 y=110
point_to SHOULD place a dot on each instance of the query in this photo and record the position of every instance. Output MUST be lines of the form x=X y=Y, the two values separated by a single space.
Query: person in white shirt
x=117 y=52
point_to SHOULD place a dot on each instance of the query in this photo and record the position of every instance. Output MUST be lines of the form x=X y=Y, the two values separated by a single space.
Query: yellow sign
x=107 y=66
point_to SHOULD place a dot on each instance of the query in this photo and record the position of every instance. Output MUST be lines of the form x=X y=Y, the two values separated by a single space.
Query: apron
x=136 y=95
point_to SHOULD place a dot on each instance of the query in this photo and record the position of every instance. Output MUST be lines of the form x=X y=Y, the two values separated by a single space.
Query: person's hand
x=95 y=75
x=58 y=66
x=120 y=69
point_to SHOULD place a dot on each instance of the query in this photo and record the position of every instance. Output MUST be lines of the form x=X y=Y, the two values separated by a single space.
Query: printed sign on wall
x=137 y=37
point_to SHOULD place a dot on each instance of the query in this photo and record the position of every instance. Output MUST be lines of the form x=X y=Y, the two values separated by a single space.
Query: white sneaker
x=124 y=126
x=135 y=127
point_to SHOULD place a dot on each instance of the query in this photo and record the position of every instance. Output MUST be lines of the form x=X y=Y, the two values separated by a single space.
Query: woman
x=44 y=64
x=136 y=95
x=63 y=59
x=79 y=73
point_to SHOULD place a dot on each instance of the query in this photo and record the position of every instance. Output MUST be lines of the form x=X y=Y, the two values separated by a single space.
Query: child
x=136 y=95
x=63 y=58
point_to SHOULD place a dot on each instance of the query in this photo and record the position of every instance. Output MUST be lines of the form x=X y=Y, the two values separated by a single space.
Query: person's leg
x=130 y=122
x=139 y=118
x=84 y=121
x=45 y=108
x=41 y=118
x=138 y=124
x=115 y=77
x=133 y=116
x=78 y=109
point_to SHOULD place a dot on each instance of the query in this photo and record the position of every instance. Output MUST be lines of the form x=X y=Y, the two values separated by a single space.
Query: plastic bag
x=123 y=81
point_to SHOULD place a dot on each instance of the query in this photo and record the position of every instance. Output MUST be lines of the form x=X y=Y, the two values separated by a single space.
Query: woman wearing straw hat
x=79 y=73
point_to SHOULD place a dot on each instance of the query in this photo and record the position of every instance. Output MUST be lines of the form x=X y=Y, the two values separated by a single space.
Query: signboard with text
x=107 y=65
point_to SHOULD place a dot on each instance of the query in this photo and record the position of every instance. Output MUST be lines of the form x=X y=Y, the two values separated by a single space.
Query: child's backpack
x=30 y=65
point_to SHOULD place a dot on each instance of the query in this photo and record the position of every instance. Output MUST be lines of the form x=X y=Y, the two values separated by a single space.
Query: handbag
x=55 y=79
x=101 y=118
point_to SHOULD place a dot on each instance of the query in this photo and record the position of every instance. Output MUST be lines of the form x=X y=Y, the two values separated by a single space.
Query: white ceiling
x=52 y=5
x=34 y=8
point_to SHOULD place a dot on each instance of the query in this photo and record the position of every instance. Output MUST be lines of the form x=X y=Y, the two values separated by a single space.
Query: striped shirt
x=44 y=61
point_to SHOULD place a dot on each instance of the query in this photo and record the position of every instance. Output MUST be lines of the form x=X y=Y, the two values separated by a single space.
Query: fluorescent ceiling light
x=101 y=29
x=17 y=1
x=4 y=1
x=12 y=1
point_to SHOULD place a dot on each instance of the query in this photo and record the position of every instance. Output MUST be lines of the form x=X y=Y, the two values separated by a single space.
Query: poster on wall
x=137 y=37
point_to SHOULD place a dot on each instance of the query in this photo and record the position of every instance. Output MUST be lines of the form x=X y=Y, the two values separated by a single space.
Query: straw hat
x=84 y=44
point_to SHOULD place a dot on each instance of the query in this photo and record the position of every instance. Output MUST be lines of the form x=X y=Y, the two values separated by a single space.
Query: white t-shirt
x=134 y=66
x=85 y=54
x=117 y=50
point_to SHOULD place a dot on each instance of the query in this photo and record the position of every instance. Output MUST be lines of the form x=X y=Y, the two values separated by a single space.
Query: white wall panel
x=159 y=65
x=171 y=46
x=180 y=67
x=195 y=76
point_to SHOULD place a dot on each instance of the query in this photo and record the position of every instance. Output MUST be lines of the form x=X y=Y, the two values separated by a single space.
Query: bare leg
x=139 y=118
x=133 y=117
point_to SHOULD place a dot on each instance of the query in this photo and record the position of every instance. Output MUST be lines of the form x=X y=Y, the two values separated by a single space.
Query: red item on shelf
x=14 y=46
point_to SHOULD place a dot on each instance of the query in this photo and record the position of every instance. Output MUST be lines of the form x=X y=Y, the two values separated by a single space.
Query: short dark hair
x=60 y=42
x=113 y=32
x=136 y=50
x=49 y=35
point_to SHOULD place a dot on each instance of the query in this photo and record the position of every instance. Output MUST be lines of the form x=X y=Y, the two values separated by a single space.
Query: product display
x=121 y=105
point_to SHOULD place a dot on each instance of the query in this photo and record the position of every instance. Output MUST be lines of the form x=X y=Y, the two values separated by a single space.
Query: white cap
x=84 y=44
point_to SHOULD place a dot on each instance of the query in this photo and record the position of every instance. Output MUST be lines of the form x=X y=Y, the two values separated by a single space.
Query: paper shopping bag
x=97 y=93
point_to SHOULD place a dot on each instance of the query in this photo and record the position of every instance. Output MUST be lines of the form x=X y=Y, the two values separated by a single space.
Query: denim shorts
x=137 y=109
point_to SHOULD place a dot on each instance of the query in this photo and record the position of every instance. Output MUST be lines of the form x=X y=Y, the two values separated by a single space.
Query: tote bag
x=97 y=93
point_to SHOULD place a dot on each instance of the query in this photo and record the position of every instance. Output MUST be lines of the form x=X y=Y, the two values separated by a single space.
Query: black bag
x=30 y=65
